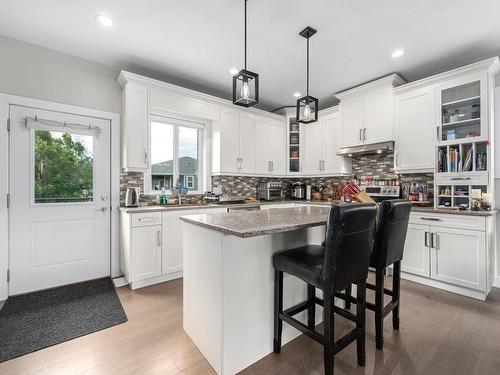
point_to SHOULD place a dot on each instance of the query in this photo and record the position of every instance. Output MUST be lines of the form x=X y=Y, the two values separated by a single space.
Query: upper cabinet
x=367 y=112
x=321 y=142
x=415 y=134
x=134 y=151
x=249 y=144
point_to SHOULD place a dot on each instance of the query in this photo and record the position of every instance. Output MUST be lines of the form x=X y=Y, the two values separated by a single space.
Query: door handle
x=145 y=156
x=364 y=134
x=430 y=218
x=102 y=209
x=158 y=238
x=360 y=131
x=460 y=178
x=426 y=239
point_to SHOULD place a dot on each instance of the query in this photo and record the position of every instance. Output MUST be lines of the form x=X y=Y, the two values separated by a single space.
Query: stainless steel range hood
x=374 y=148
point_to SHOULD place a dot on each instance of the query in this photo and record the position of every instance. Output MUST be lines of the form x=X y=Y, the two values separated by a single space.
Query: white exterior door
x=59 y=205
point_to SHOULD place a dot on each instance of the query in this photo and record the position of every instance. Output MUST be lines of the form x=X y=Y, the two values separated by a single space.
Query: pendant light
x=307 y=106
x=245 y=82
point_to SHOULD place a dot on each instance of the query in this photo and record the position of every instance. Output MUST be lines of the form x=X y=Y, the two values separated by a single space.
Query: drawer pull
x=146 y=219
x=460 y=178
x=430 y=218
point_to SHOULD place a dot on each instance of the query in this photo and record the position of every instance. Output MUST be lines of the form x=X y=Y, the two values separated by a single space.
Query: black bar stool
x=341 y=262
x=388 y=246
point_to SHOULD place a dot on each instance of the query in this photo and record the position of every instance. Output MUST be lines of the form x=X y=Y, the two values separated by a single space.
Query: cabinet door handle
x=426 y=239
x=364 y=134
x=460 y=178
x=271 y=164
x=360 y=132
x=433 y=243
x=158 y=238
x=145 y=156
x=430 y=218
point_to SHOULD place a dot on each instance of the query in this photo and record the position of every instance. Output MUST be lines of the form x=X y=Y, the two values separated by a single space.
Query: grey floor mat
x=37 y=320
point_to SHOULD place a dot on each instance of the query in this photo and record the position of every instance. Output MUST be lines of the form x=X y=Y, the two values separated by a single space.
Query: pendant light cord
x=307 y=80
x=245 y=34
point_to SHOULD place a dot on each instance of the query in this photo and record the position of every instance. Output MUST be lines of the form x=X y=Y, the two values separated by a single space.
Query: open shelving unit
x=294 y=149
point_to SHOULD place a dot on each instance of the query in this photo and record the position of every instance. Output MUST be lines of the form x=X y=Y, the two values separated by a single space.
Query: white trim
x=496 y=282
x=120 y=281
x=176 y=120
x=114 y=118
x=155 y=280
x=126 y=77
x=491 y=64
x=393 y=80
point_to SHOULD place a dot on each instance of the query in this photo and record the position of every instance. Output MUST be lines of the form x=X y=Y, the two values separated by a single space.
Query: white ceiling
x=194 y=43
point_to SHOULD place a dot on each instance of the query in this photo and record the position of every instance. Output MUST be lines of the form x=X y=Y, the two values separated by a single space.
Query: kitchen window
x=176 y=155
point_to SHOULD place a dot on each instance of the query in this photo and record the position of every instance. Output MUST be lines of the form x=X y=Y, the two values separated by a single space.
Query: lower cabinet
x=147 y=260
x=151 y=245
x=447 y=257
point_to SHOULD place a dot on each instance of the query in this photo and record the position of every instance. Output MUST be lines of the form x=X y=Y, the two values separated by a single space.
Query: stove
x=381 y=193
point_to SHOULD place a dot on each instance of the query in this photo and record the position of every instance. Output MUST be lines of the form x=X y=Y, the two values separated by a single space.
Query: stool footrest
x=386 y=291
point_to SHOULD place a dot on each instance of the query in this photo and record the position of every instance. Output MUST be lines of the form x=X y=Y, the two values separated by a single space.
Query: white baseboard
x=496 y=282
x=120 y=281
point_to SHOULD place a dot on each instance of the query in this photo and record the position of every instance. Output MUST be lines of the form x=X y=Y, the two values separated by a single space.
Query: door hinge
x=8 y=200
x=8 y=124
x=8 y=275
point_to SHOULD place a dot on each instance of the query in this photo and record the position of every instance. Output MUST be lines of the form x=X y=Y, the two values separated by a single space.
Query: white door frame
x=7 y=100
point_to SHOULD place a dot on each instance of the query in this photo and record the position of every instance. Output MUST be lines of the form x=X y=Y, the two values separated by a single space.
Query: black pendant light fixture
x=307 y=106
x=245 y=82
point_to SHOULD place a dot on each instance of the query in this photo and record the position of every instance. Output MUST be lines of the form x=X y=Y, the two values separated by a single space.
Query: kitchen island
x=229 y=280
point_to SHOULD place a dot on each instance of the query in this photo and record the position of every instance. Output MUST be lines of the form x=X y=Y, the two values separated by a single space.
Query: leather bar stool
x=388 y=246
x=342 y=261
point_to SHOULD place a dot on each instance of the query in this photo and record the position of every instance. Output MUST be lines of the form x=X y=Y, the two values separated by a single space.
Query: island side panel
x=202 y=301
x=248 y=295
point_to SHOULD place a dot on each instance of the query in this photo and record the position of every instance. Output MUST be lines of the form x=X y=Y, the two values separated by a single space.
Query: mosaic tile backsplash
x=374 y=166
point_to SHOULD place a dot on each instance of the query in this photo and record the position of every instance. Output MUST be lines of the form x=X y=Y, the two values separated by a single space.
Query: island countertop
x=245 y=224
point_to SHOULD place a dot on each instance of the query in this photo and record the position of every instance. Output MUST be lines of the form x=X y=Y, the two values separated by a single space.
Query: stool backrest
x=348 y=245
x=390 y=235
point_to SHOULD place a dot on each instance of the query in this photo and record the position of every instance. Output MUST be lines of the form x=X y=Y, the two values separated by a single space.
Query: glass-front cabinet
x=294 y=141
x=463 y=110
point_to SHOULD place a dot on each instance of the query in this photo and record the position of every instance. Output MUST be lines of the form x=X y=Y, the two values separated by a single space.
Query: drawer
x=449 y=220
x=464 y=178
x=146 y=219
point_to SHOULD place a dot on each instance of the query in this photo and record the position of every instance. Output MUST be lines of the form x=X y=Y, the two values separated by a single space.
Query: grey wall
x=36 y=72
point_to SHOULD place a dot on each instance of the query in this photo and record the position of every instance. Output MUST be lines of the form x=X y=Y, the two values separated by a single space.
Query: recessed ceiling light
x=234 y=71
x=297 y=95
x=104 y=20
x=397 y=53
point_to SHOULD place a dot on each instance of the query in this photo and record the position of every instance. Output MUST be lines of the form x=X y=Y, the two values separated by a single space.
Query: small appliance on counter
x=298 y=191
x=269 y=191
x=132 y=197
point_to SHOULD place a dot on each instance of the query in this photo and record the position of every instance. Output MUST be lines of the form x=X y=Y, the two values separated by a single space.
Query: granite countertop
x=247 y=224
x=453 y=211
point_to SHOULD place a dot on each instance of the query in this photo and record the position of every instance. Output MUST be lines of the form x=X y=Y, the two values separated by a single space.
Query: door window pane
x=188 y=157
x=63 y=168
x=162 y=156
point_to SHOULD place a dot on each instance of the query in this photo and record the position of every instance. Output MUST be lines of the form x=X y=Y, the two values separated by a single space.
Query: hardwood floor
x=441 y=333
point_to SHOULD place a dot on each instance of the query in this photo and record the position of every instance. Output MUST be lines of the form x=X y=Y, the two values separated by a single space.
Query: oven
x=381 y=193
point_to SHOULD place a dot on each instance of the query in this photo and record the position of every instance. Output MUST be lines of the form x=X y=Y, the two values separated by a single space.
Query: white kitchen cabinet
x=146 y=253
x=134 y=132
x=459 y=257
x=351 y=112
x=450 y=252
x=247 y=143
x=416 y=259
x=276 y=147
x=269 y=147
x=313 y=148
x=172 y=240
x=229 y=139
x=415 y=129
x=321 y=143
x=378 y=117
x=367 y=112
